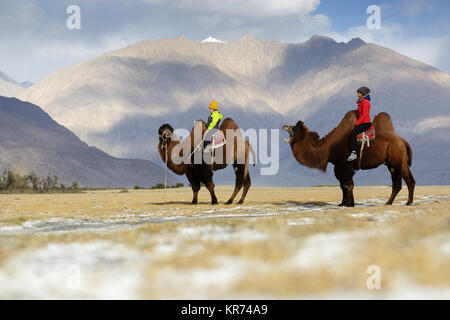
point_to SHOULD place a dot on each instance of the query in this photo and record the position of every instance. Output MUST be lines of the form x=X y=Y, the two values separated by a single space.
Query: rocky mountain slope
x=11 y=88
x=117 y=100
x=32 y=141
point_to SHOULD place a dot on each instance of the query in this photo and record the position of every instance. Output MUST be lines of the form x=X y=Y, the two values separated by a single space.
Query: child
x=213 y=123
x=363 y=123
x=215 y=117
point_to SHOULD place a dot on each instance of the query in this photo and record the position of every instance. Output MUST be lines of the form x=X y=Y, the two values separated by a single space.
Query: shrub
x=15 y=182
x=34 y=180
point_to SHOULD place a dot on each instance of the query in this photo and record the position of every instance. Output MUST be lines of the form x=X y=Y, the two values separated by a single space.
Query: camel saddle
x=217 y=140
x=367 y=137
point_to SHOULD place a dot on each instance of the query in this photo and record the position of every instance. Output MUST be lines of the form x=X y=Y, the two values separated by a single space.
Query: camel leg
x=247 y=184
x=396 y=184
x=349 y=184
x=410 y=182
x=345 y=176
x=245 y=175
x=338 y=175
x=344 y=194
x=195 y=185
x=210 y=187
x=239 y=171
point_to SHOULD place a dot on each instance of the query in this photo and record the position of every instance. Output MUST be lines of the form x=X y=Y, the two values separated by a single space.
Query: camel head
x=296 y=133
x=165 y=133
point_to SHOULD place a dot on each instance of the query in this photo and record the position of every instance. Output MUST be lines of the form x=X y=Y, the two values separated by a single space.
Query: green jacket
x=214 y=120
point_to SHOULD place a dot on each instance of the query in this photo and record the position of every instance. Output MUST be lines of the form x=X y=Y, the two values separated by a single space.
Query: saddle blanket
x=217 y=139
x=369 y=133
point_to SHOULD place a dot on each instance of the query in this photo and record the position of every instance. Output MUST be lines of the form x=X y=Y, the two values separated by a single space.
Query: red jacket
x=363 y=110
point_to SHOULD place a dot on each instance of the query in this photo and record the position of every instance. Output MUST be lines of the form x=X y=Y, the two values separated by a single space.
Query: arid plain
x=286 y=243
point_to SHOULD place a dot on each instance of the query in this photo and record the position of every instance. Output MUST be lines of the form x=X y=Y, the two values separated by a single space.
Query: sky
x=35 y=41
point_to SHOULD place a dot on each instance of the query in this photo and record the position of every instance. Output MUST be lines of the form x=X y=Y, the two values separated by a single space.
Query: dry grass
x=282 y=243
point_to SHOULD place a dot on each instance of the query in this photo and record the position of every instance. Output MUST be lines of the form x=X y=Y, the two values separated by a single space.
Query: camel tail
x=253 y=153
x=409 y=151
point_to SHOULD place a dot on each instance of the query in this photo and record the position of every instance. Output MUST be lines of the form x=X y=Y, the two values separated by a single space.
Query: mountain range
x=117 y=101
x=10 y=87
x=30 y=140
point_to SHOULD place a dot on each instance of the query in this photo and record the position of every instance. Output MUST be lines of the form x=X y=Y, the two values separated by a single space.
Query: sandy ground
x=289 y=243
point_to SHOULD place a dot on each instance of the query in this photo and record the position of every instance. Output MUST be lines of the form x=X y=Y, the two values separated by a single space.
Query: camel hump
x=383 y=121
x=350 y=115
x=384 y=116
x=349 y=119
x=228 y=123
x=347 y=123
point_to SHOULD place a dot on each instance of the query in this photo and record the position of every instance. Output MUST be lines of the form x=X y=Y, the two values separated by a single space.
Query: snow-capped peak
x=214 y=40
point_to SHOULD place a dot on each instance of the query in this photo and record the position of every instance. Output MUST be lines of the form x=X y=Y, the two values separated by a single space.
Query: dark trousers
x=358 y=129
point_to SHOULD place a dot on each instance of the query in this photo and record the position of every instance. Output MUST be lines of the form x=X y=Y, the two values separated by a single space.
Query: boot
x=352 y=156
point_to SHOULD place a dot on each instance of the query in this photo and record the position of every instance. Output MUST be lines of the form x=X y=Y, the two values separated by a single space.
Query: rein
x=365 y=139
x=164 y=146
x=165 y=170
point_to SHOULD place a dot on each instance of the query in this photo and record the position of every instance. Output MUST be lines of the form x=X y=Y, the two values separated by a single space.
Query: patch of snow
x=393 y=212
x=9 y=229
x=96 y=270
x=124 y=221
x=311 y=206
x=64 y=225
x=220 y=234
x=165 y=248
x=405 y=288
x=402 y=288
x=200 y=283
x=440 y=242
x=213 y=40
x=360 y=214
x=328 y=249
x=128 y=220
x=379 y=218
x=371 y=202
x=301 y=221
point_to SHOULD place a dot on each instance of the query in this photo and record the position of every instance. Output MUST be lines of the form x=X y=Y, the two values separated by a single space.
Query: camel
x=197 y=173
x=388 y=148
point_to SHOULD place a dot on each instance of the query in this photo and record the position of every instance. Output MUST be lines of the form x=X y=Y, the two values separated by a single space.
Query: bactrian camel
x=388 y=148
x=198 y=173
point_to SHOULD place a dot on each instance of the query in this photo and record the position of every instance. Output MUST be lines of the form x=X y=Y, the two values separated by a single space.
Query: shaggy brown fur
x=388 y=148
x=197 y=173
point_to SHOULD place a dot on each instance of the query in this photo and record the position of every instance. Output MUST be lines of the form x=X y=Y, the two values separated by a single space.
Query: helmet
x=213 y=105
x=364 y=91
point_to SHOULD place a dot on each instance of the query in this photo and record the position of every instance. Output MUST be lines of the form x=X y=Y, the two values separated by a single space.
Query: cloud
x=246 y=8
x=415 y=7
x=432 y=123
x=35 y=42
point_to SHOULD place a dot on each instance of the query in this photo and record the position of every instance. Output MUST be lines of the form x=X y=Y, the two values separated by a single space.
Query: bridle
x=165 y=136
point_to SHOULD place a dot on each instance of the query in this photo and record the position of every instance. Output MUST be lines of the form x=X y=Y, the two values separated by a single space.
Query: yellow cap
x=213 y=105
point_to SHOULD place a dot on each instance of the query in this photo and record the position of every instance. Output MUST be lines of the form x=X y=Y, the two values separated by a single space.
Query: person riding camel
x=363 y=123
x=213 y=123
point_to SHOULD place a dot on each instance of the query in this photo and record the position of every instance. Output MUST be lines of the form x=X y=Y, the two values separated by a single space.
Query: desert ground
x=282 y=243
